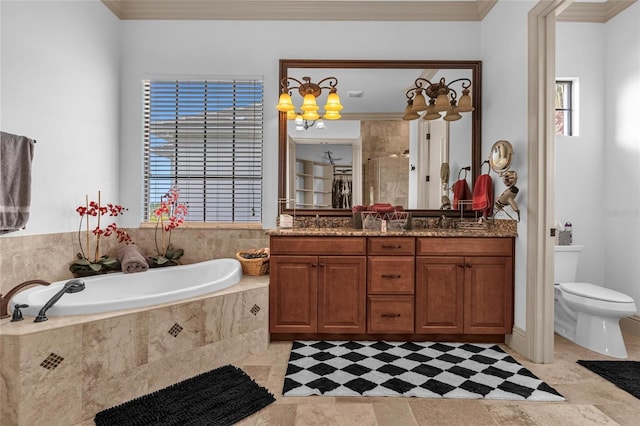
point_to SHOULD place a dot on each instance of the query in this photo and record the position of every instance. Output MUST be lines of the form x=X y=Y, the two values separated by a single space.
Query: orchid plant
x=168 y=216
x=96 y=264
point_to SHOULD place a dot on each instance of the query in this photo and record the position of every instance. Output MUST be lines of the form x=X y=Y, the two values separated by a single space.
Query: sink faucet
x=443 y=222
x=71 y=286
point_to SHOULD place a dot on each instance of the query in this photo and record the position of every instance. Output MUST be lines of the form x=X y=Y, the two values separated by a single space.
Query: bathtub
x=117 y=291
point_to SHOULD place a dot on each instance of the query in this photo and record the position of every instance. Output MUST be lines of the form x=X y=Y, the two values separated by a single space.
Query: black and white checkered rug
x=420 y=369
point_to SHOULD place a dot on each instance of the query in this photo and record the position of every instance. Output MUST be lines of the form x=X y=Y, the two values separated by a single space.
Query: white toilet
x=588 y=314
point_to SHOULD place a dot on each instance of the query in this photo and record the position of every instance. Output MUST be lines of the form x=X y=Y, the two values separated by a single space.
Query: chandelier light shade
x=309 y=92
x=443 y=98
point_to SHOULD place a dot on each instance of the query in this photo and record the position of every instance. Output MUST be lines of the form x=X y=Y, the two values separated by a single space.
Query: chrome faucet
x=71 y=286
x=443 y=222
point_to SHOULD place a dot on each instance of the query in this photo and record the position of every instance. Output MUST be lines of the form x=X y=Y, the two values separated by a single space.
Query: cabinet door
x=293 y=294
x=488 y=295
x=440 y=294
x=342 y=294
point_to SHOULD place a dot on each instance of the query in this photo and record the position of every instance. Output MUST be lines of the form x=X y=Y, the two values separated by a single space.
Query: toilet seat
x=595 y=292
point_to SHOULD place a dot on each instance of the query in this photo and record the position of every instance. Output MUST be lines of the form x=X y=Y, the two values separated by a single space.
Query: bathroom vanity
x=445 y=285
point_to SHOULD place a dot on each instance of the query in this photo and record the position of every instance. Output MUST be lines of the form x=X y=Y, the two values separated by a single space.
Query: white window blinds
x=205 y=137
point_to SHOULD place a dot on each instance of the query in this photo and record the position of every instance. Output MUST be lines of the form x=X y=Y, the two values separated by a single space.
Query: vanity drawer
x=464 y=246
x=317 y=245
x=390 y=314
x=391 y=245
x=390 y=274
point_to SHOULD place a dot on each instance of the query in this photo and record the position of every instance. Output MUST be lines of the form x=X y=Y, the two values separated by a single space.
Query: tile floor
x=591 y=400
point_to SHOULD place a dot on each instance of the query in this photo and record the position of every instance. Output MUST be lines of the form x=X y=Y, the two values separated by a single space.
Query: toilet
x=588 y=314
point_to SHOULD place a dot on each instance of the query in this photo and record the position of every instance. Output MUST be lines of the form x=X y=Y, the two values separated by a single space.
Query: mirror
x=364 y=139
x=500 y=158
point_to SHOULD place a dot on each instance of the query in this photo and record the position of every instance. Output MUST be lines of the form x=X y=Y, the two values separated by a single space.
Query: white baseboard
x=517 y=341
x=631 y=325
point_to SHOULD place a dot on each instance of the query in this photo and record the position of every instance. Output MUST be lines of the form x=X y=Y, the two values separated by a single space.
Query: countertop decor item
x=90 y=261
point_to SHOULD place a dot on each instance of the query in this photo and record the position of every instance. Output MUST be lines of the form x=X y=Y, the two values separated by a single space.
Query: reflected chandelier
x=309 y=92
x=442 y=98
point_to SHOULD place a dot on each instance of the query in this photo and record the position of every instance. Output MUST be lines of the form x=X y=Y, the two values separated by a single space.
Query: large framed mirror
x=380 y=156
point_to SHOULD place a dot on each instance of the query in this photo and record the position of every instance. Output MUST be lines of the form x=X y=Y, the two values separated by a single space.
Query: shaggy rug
x=420 y=369
x=219 y=397
x=623 y=374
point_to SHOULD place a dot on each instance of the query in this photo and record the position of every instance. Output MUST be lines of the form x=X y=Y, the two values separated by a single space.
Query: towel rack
x=466 y=169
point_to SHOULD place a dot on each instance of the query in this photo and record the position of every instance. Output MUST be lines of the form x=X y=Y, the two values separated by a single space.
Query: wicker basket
x=259 y=266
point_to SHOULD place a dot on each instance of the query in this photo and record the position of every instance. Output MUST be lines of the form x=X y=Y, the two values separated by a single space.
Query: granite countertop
x=430 y=232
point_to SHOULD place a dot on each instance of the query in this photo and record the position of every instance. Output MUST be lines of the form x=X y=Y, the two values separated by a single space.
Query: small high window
x=565 y=112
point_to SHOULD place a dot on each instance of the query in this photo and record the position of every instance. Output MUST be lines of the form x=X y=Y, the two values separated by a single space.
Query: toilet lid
x=592 y=291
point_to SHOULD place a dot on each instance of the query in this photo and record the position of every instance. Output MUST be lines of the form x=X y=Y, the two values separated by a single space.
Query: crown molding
x=593 y=12
x=300 y=10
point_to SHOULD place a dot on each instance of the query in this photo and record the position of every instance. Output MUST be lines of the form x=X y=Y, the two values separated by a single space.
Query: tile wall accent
x=108 y=361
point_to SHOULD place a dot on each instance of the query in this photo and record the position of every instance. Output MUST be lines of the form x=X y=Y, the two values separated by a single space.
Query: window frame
x=151 y=196
x=570 y=111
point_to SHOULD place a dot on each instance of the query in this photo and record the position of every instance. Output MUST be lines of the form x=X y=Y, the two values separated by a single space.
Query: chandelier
x=442 y=99
x=309 y=92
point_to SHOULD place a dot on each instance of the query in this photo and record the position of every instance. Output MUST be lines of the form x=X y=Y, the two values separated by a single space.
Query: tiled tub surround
x=63 y=371
x=47 y=257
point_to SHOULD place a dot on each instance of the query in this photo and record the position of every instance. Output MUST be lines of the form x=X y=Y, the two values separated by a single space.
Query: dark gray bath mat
x=623 y=374
x=219 y=397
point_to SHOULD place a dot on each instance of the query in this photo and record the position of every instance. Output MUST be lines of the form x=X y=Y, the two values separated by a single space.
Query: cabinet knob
x=390 y=315
x=314 y=264
x=467 y=265
x=391 y=276
x=460 y=265
x=322 y=264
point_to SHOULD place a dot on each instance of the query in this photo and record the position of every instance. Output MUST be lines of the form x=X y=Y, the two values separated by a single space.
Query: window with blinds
x=205 y=138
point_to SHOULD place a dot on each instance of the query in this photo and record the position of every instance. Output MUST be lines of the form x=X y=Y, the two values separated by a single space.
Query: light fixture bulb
x=320 y=124
x=291 y=115
x=408 y=113
x=309 y=104
x=464 y=104
x=430 y=113
x=332 y=115
x=333 y=102
x=310 y=115
x=419 y=103
x=442 y=102
x=285 y=104
x=452 y=115
x=299 y=120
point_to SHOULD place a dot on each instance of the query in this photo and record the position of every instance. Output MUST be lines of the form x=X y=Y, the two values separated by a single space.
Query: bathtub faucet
x=71 y=286
x=4 y=300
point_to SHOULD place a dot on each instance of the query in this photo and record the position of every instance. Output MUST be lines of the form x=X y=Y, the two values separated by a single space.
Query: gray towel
x=131 y=259
x=16 y=155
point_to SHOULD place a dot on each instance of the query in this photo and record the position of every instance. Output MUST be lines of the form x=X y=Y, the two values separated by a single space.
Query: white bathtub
x=117 y=291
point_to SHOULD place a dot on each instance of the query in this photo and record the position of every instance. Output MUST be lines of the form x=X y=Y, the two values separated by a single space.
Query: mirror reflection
x=371 y=155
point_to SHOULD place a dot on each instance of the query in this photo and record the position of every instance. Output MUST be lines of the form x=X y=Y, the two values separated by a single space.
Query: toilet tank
x=566 y=263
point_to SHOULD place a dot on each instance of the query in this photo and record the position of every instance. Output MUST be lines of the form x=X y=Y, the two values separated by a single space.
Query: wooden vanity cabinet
x=409 y=288
x=464 y=285
x=321 y=293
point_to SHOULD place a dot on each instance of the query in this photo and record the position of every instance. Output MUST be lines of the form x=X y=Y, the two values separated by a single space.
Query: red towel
x=483 y=195
x=461 y=192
